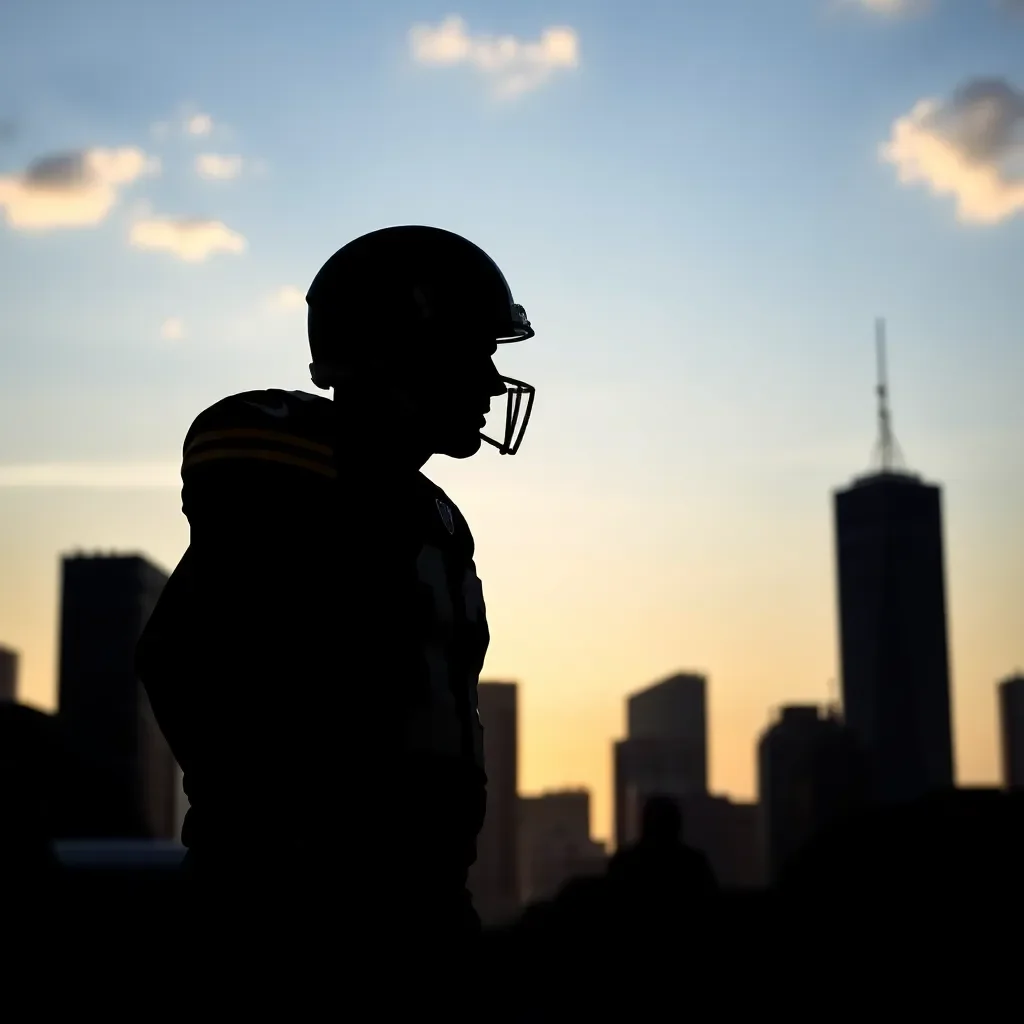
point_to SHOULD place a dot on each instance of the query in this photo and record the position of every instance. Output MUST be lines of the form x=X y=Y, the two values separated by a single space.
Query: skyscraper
x=1011 y=728
x=674 y=709
x=494 y=878
x=8 y=674
x=105 y=602
x=665 y=751
x=809 y=775
x=892 y=623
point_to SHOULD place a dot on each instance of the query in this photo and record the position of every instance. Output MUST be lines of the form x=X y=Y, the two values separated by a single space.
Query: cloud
x=71 y=190
x=185 y=122
x=512 y=65
x=970 y=148
x=172 y=329
x=190 y=239
x=100 y=475
x=213 y=165
x=199 y=124
x=288 y=298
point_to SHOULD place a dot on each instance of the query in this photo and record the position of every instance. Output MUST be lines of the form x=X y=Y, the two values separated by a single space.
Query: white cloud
x=71 y=190
x=83 y=474
x=288 y=298
x=969 y=148
x=189 y=239
x=213 y=165
x=199 y=124
x=512 y=65
x=172 y=329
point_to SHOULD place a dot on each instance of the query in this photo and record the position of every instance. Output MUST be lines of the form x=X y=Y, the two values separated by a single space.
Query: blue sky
x=691 y=204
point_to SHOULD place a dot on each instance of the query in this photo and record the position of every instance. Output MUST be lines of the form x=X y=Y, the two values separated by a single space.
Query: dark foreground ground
x=918 y=914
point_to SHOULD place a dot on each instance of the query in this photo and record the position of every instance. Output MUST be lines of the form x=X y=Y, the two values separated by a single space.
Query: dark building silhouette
x=8 y=674
x=809 y=776
x=892 y=623
x=1011 y=728
x=555 y=843
x=30 y=778
x=494 y=878
x=674 y=709
x=665 y=751
x=892 y=617
x=959 y=851
x=103 y=710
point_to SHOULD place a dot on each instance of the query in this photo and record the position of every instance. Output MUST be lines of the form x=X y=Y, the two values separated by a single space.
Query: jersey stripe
x=324 y=468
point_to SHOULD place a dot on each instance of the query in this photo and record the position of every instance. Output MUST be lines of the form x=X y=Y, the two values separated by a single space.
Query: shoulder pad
x=272 y=427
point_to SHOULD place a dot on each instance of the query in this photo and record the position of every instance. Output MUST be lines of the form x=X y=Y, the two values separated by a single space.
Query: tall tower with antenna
x=892 y=618
x=888 y=456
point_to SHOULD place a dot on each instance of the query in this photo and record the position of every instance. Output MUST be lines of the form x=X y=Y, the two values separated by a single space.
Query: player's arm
x=231 y=629
x=256 y=502
x=166 y=656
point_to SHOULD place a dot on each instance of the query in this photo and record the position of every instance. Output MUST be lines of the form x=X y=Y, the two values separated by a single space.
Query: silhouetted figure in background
x=314 y=659
x=660 y=872
x=645 y=932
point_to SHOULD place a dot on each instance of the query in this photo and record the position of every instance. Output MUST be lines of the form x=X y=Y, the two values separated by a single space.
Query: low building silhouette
x=810 y=773
x=494 y=878
x=105 y=715
x=8 y=674
x=1011 y=729
x=555 y=845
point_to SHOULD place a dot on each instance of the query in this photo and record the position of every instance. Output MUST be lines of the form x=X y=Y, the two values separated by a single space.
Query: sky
x=702 y=206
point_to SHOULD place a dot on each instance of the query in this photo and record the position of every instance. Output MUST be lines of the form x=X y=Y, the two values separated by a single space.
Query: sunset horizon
x=703 y=211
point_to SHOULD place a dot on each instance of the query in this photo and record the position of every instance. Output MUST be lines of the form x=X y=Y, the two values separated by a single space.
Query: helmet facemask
x=517 y=417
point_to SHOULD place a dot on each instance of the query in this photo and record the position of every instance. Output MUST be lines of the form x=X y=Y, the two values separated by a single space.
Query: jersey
x=320 y=625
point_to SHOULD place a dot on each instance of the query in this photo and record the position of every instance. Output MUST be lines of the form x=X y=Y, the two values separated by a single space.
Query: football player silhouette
x=314 y=658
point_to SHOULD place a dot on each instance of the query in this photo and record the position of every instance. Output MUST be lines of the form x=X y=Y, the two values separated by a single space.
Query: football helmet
x=399 y=293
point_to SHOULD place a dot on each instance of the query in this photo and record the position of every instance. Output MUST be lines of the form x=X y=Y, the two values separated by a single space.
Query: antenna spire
x=887 y=448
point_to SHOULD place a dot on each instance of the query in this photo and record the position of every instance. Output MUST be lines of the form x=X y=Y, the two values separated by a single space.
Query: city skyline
x=703 y=357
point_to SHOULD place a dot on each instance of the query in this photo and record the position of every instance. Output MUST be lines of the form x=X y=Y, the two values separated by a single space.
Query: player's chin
x=461 y=445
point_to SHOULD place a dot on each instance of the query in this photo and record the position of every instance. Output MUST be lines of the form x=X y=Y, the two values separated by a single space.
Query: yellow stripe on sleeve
x=267 y=455
x=256 y=434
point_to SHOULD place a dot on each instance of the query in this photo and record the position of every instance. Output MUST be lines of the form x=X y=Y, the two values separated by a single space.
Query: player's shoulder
x=437 y=493
x=262 y=429
x=450 y=515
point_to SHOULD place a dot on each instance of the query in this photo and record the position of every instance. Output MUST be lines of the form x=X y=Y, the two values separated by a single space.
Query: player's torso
x=395 y=602
x=429 y=620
